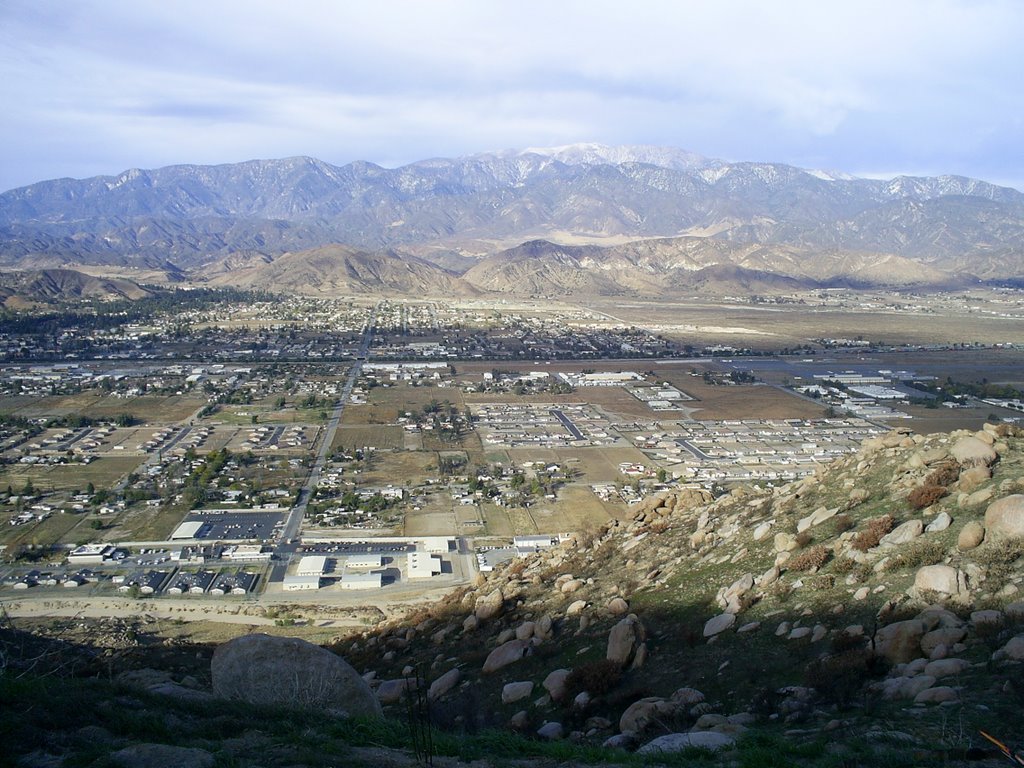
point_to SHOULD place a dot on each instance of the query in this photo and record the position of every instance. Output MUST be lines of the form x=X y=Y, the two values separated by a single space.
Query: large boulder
x=900 y=641
x=943 y=579
x=903 y=534
x=677 y=742
x=262 y=669
x=489 y=605
x=643 y=713
x=505 y=654
x=972 y=452
x=1005 y=517
x=971 y=536
x=624 y=640
x=718 y=624
x=444 y=683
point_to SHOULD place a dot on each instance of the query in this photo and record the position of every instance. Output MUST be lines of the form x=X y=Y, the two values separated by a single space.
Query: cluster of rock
x=933 y=562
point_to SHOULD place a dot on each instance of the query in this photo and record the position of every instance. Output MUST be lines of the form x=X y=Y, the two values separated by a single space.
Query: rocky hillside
x=869 y=615
x=869 y=607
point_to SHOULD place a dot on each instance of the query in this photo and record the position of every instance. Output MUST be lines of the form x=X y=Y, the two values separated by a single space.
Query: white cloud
x=114 y=83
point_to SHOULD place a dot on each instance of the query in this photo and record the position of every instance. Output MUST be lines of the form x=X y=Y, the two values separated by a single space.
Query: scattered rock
x=974 y=477
x=903 y=534
x=576 y=607
x=489 y=606
x=900 y=641
x=936 y=695
x=1012 y=651
x=941 y=522
x=392 y=691
x=525 y=630
x=946 y=667
x=641 y=714
x=618 y=607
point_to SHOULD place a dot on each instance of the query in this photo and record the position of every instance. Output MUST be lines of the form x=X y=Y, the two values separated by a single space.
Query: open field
x=379 y=436
x=149 y=409
x=102 y=472
x=741 y=401
x=58 y=528
x=386 y=404
x=918 y=320
x=150 y=524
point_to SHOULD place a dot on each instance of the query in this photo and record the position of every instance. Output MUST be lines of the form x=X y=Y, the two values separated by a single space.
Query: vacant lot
x=58 y=528
x=386 y=404
x=740 y=401
x=102 y=473
x=149 y=409
x=142 y=523
x=379 y=436
x=700 y=323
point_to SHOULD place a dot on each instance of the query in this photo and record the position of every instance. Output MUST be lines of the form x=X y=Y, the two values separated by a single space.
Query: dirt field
x=698 y=323
x=386 y=404
x=147 y=409
x=380 y=436
x=102 y=473
x=741 y=401
x=149 y=524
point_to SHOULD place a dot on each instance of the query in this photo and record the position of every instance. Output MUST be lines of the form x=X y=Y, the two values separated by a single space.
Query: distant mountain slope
x=195 y=215
x=59 y=285
x=671 y=266
x=337 y=270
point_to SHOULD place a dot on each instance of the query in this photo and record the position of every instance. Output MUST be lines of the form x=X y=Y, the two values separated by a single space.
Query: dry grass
x=875 y=529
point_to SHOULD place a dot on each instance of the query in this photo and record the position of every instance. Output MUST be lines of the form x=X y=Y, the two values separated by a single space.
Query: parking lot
x=228 y=525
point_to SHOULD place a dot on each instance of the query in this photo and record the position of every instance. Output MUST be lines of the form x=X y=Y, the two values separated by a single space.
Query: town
x=243 y=446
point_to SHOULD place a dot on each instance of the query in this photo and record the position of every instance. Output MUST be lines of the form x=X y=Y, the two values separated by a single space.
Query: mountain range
x=577 y=219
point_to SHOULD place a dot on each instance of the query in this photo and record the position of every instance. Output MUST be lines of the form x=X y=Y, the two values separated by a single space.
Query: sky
x=867 y=87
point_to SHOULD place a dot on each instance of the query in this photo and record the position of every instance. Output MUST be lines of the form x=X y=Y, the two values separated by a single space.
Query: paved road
x=285 y=546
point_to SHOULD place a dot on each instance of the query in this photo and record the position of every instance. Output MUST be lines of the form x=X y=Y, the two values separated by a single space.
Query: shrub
x=876 y=528
x=840 y=678
x=841 y=524
x=944 y=474
x=809 y=559
x=843 y=565
x=594 y=677
x=999 y=552
x=917 y=554
x=803 y=539
x=925 y=495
